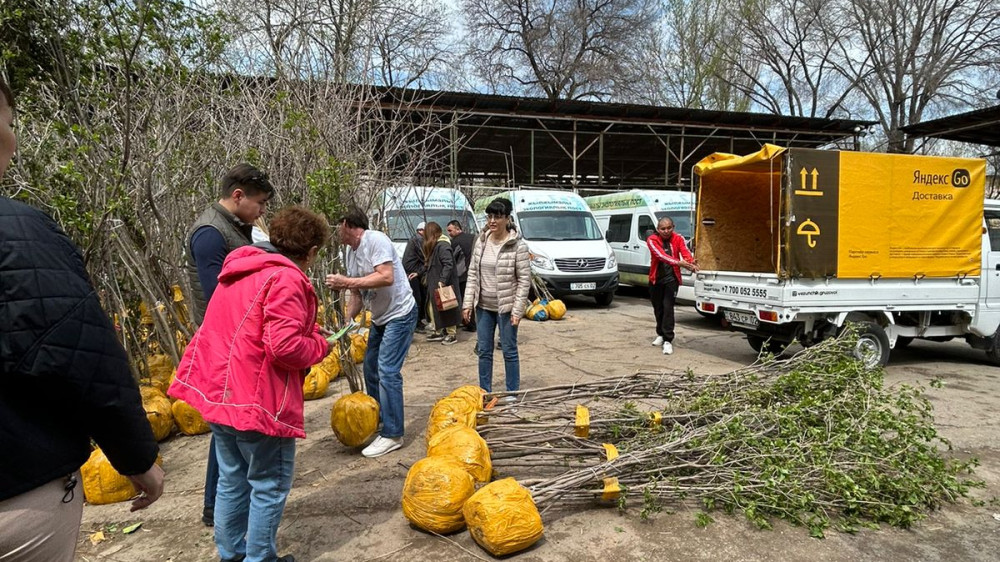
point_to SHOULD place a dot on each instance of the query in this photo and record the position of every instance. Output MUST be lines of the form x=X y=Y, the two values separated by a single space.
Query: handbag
x=444 y=297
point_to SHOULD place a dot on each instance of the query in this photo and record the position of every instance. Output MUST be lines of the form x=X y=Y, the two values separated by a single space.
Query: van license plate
x=742 y=318
x=582 y=286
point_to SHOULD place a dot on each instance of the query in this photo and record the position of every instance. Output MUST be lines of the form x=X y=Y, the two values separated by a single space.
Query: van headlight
x=541 y=262
x=611 y=261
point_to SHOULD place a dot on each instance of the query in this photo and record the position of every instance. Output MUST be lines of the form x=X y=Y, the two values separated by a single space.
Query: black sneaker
x=449 y=339
x=435 y=336
x=208 y=516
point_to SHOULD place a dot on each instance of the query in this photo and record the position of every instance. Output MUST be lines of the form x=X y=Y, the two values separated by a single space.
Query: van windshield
x=402 y=225
x=558 y=225
x=682 y=222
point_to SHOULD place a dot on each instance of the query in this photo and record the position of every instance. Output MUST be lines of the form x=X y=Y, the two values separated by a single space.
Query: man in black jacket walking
x=64 y=379
x=415 y=265
x=463 y=240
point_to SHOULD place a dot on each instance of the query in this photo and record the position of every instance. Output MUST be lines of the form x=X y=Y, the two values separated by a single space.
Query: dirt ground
x=346 y=507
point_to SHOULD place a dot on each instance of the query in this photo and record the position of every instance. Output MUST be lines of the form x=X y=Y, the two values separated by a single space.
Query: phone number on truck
x=754 y=292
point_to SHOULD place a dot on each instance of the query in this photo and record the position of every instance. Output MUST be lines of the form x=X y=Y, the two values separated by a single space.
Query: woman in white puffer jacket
x=497 y=288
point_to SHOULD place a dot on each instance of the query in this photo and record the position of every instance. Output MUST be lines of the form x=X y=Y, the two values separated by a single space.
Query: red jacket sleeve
x=290 y=336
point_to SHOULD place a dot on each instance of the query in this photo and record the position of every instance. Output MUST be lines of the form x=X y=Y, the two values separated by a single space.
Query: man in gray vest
x=221 y=228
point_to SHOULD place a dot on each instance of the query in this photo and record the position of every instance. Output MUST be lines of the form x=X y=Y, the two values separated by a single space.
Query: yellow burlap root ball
x=354 y=418
x=315 y=385
x=503 y=518
x=472 y=393
x=102 y=483
x=450 y=411
x=359 y=344
x=434 y=492
x=556 y=309
x=364 y=318
x=189 y=421
x=157 y=407
x=329 y=365
x=161 y=370
x=465 y=446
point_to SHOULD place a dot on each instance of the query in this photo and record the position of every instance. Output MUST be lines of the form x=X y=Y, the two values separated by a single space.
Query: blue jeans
x=486 y=323
x=387 y=348
x=211 y=475
x=255 y=476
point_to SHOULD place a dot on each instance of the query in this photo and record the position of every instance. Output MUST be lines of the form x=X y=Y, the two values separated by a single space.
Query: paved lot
x=346 y=507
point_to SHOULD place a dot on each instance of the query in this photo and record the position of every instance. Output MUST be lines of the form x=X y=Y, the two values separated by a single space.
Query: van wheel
x=872 y=348
x=759 y=343
x=604 y=299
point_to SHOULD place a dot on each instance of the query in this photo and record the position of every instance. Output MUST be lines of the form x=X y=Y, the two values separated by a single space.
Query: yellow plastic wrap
x=157 y=407
x=330 y=365
x=359 y=344
x=450 y=411
x=556 y=309
x=465 y=446
x=536 y=312
x=102 y=483
x=354 y=418
x=434 y=492
x=315 y=385
x=472 y=393
x=189 y=421
x=161 y=370
x=364 y=318
x=503 y=518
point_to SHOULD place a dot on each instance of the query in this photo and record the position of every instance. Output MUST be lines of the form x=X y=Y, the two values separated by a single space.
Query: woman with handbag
x=444 y=308
x=497 y=289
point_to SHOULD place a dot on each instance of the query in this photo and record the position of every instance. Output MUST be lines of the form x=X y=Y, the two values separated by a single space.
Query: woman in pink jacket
x=244 y=370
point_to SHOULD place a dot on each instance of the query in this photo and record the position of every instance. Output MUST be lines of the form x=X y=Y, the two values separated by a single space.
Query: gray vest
x=235 y=232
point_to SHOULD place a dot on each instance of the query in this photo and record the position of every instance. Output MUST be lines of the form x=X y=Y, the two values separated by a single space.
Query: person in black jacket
x=415 y=266
x=64 y=380
x=463 y=240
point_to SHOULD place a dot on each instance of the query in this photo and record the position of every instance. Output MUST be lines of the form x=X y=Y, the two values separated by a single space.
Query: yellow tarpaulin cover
x=450 y=411
x=503 y=518
x=354 y=418
x=464 y=445
x=102 y=483
x=435 y=490
x=471 y=393
x=189 y=421
x=158 y=411
x=758 y=161
x=315 y=384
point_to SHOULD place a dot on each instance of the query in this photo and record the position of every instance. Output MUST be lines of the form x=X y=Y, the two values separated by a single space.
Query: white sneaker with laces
x=658 y=341
x=382 y=445
x=667 y=348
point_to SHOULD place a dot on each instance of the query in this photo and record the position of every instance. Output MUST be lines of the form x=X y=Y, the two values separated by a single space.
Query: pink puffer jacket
x=244 y=367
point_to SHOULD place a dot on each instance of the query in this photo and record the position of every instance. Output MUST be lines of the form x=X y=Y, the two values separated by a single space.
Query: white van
x=629 y=217
x=398 y=211
x=568 y=250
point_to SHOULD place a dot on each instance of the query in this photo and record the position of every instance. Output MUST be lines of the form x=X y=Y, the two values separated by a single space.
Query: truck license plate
x=582 y=286
x=742 y=318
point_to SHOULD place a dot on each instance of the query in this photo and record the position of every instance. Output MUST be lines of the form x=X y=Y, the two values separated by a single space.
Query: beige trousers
x=37 y=526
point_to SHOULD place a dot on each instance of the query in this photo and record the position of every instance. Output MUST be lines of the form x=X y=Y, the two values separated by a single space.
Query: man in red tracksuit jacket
x=668 y=254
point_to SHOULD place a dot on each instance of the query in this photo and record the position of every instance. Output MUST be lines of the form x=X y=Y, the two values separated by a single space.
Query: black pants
x=419 y=295
x=663 y=296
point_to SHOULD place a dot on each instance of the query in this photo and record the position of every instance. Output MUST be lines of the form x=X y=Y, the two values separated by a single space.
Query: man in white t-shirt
x=375 y=276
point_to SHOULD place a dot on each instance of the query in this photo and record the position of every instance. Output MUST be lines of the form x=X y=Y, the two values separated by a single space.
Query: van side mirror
x=607 y=235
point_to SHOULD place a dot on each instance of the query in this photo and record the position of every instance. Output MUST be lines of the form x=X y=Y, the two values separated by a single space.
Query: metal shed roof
x=981 y=126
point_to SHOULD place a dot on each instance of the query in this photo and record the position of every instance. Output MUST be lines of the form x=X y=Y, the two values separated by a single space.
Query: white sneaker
x=382 y=445
x=667 y=348
x=658 y=341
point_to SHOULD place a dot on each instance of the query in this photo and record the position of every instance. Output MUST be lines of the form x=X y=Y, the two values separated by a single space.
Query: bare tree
x=689 y=62
x=560 y=49
x=908 y=57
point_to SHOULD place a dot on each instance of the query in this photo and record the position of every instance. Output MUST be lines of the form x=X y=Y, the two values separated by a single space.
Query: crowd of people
x=66 y=378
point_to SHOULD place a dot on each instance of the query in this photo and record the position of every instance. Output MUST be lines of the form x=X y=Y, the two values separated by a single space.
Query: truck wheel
x=872 y=348
x=759 y=343
x=993 y=351
x=604 y=299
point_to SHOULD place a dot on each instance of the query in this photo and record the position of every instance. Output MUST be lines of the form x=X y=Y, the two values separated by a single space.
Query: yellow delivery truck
x=794 y=243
